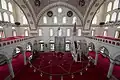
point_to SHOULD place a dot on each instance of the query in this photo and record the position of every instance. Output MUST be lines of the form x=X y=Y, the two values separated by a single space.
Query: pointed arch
x=26 y=32
x=109 y=7
x=11 y=18
x=24 y=20
x=107 y=18
x=114 y=16
x=5 y=16
x=10 y=7
x=64 y=20
x=45 y=20
x=0 y=16
x=74 y=20
x=118 y=16
x=105 y=33
x=94 y=20
x=80 y=16
x=14 y=33
x=55 y=20
x=4 y=4
x=115 y=5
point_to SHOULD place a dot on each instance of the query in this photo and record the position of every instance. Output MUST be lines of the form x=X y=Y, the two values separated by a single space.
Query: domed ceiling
x=33 y=8
x=75 y=3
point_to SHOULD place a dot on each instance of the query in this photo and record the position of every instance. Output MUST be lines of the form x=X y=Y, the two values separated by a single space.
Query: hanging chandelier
x=41 y=68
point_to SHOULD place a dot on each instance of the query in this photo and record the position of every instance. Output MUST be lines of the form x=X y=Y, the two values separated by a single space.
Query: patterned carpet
x=59 y=66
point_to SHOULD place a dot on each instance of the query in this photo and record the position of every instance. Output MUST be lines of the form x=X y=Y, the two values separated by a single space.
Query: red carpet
x=17 y=63
x=92 y=54
x=4 y=71
x=116 y=71
x=59 y=64
x=103 y=63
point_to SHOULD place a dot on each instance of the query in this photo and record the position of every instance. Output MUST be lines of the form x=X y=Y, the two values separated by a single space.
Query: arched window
x=119 y=16
x=24 y=20
x=107 y=18
x=10 y=7
x=67 y=46
x=68 y=32
x=93 y=33
x=113 y=18
x=59 y=10
x=11 y=19
x=109 y=8
x=4 y=4
x=2 y=34
x=52 y=45
x=74 y=20
x=14 y=33
x=60 y=32
x=26 y=33
x=41 y=45
x=0 y=16
x=51 y=32
x=116 y=3
x=55 y=20
x=79 y=32
x=64 y=20
x=116 y=34
x=94 y=20
x=5 y=16
x=105 y=33
x=45 y=20
x=40 y=32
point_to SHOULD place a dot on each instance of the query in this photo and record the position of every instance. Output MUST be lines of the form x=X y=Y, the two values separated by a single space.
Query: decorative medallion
x=23 y=6
x=69 y=13
x=37 y=2
x=50 y=13
x=81 y=3
x=96 y=5
x=91 y=13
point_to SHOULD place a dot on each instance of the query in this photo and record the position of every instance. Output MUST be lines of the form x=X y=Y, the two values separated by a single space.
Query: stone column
x=96 y=58
x=11 y=68
x=25 y=60
x=110 y=69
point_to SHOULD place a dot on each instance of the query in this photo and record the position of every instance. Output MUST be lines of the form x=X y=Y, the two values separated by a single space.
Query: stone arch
x=117 y=60
x=17 y=50
x=22 y=5
x=104 y=51
x=60 y=4
x=3 y=59
x=116 y=54
x=91 y=46
x=94 y=7
x=29 y=46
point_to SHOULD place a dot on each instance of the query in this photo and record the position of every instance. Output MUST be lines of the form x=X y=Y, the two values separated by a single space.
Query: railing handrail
x=105 y=40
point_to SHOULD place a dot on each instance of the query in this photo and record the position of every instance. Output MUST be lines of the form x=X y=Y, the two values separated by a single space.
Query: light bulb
x=72 y=76
x=80 y=73
x=34 y=70
x=50 y=77
x=61 y=77
x=30 y=66
x=41 y=74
